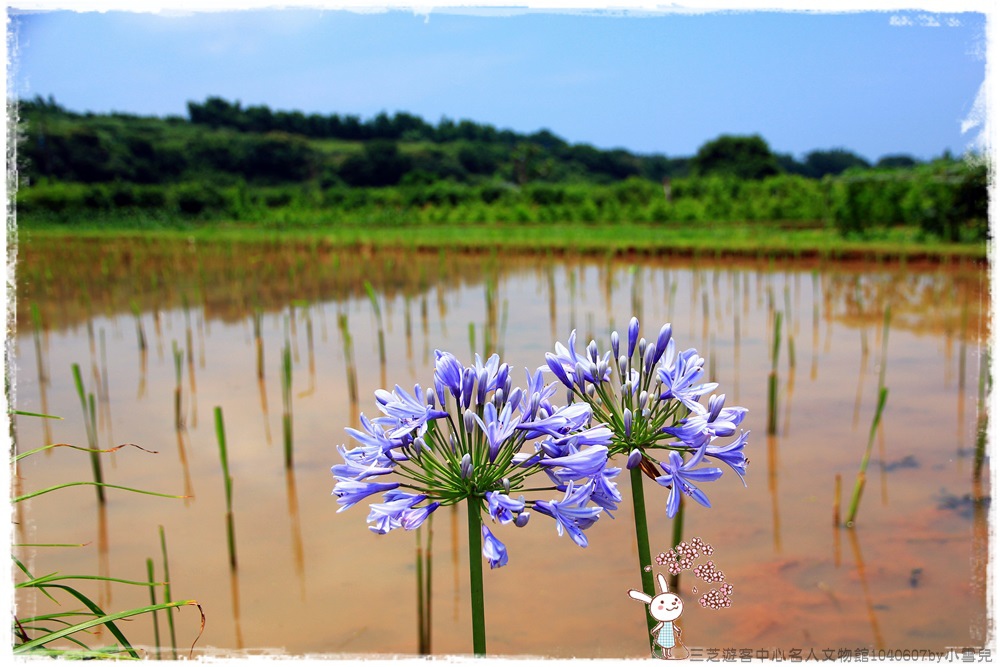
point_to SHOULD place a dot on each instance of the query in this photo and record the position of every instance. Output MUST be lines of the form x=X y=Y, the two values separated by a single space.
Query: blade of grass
x=35 y=494
x=152 y=602
x=166 y=592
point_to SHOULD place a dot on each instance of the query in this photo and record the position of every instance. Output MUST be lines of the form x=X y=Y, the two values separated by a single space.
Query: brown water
x=910 y=575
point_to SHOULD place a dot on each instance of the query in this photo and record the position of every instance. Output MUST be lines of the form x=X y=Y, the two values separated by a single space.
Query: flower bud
x=516 y=395
x=521 y=520
x=503 y=375
x=643 y=397
x=498 y=397
x=506 y=485
x=661 y=342
x=469 y=420
x=634 y=457
x=592 y=350
x=648 y=358
x=633 y=335
x=614 y=344
x=623 y=367
x=468 y=381
x=429 y=397
x=536 y=399
x=642 y=348
x=627 y=418
x=484 y=379
x=465 y=467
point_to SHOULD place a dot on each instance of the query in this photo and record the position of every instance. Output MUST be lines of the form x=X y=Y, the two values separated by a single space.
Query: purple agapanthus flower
x=680 y=476
x=563 y=421
x=411 y=518
x=679 y=376
x=411 y=412
x=474 y=437
x=388 y=515
x=732 y=454
x=582 y=464
x=654 y=404
x=572 y=513
x=605 y=493
x=497 y=427
x=502 y=507
x=349 y=491
x=493 y=549
x=360 y=467
x=702 y=426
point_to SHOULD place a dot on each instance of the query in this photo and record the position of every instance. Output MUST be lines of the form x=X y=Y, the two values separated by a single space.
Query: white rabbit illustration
x=665 y=608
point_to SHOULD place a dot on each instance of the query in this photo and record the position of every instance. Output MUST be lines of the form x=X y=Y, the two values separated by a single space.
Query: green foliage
x=832 y=162
x=48 y=634
x=737 y=156
x=286 y=169
x=946 y=200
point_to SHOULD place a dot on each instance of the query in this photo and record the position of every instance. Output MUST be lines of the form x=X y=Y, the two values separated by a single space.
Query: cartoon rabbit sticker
x=665 y=608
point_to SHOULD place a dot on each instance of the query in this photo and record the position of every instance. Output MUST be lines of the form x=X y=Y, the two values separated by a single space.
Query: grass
x=674 y=238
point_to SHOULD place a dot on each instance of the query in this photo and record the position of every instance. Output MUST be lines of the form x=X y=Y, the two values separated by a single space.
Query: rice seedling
x=381 y=331
x=985 y=386
x=258 y=343
x=772 y=379
x=423 y=569
x=140 y=331
x=836 y=500
x=286 y=400
x=352 y=373
x=43 y=375
x=220 y=434
x=178 y=388
x=311 y=354
x=104 y=393
x=88 y=420
x=885 y=346
x=859 y=483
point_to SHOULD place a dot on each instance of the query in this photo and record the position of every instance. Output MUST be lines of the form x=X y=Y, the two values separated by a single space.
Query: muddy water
x=310 y=580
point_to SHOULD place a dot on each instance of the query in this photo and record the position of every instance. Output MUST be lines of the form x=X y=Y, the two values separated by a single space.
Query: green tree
x=833 y=162
x=746 y=157
x=895 y=162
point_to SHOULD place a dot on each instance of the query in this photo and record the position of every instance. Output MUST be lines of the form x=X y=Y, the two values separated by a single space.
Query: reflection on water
x=312 y=580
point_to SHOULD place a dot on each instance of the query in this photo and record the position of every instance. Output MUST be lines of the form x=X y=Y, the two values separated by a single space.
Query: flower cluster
x=473 y=436
x=649 y=394
x=717 y=598
x=707 y=572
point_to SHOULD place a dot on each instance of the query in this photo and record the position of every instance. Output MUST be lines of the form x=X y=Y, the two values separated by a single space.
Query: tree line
x=223 y=140
x=227 y=161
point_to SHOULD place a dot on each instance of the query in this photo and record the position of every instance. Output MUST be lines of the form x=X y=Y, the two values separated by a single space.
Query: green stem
x=476 y=579
x=675 y=579
x=642 y=541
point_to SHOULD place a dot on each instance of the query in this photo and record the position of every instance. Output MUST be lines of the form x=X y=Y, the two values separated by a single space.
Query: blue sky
x=874 y=82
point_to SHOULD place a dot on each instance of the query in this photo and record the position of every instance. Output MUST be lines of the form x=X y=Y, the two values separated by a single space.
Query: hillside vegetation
x=276 y=169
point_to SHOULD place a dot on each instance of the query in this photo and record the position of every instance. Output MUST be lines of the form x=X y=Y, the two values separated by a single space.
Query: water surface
x=310 y=580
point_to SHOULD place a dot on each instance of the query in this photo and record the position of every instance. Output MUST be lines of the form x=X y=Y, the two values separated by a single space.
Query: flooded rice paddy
x=149 y=322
